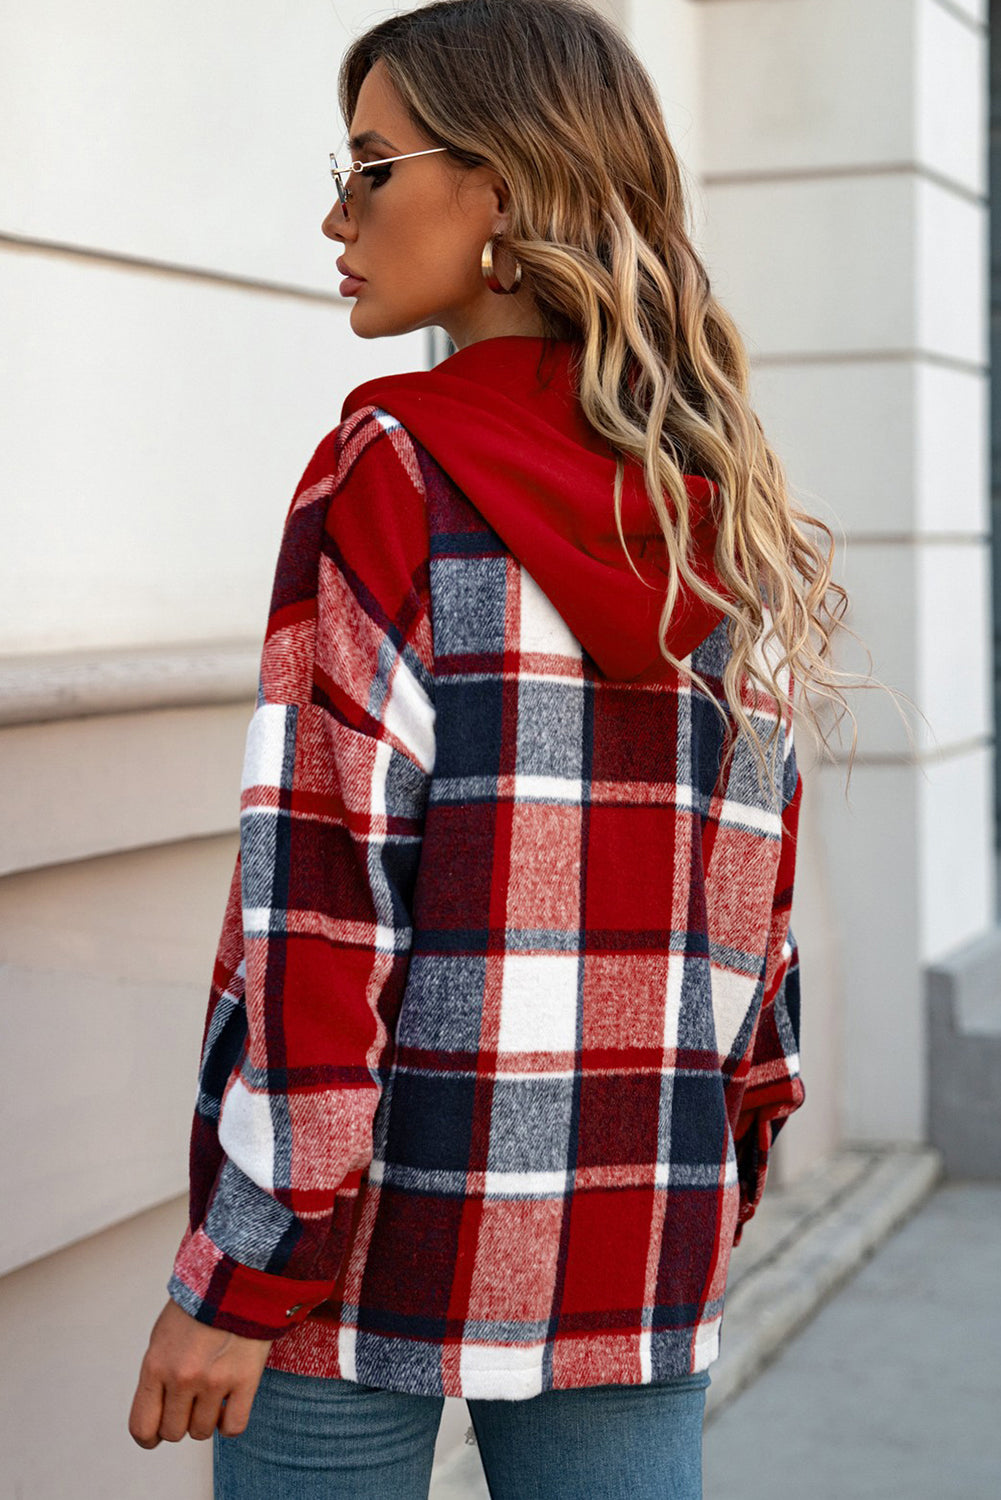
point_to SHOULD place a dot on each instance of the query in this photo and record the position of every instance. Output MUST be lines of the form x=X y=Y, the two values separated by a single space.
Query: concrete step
x=804 y=1242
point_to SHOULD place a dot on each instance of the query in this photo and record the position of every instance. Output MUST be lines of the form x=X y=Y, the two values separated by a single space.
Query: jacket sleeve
x=312 y=960
x=774 y=1088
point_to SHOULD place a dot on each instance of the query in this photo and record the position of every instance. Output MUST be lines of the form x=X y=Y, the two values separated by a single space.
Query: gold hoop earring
x=490 y=275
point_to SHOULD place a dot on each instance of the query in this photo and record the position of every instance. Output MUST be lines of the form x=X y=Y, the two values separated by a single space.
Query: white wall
x=848 y=236
x=175 y=343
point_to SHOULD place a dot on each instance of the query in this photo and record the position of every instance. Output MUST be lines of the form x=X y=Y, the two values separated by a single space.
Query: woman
x=505 y=1014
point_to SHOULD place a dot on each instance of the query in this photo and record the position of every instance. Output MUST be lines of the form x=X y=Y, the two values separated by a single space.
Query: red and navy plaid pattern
x=505 y=1013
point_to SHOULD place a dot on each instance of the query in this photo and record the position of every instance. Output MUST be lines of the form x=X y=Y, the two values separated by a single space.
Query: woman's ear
x=502 y=201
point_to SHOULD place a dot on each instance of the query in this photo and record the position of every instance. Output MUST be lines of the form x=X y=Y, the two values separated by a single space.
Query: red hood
x=502 y=418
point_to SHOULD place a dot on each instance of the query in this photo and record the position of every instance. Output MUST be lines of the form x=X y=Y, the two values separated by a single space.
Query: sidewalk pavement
x=860 y=1355
x=893 y=1388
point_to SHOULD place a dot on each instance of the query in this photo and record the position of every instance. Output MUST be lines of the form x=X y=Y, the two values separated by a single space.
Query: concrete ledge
x=80 y=684
x=970 y=979
x=809 y=1241
x=963 y=997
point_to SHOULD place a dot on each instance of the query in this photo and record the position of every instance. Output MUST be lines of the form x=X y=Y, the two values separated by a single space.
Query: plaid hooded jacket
x=504 y=1018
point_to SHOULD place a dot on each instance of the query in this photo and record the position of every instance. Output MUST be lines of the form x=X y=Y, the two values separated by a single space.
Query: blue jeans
x=311 y=1438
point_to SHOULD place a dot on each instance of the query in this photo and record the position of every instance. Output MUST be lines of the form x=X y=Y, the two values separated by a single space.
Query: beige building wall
x=180 y=351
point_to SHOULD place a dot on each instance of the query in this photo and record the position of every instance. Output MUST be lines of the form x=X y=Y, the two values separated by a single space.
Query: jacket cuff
x=216 y=1289
x=754 y=1138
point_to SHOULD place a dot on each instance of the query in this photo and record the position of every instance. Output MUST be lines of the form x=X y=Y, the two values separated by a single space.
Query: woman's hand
x=188 y=1372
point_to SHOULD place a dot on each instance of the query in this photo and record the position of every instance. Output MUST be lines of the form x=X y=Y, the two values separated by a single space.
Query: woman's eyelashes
x=377 y=175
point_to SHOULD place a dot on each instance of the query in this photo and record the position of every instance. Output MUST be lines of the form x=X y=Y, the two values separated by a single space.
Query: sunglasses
x=339 y=173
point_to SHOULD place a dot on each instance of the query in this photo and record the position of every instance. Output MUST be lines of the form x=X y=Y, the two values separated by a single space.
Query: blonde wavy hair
x=550 y=94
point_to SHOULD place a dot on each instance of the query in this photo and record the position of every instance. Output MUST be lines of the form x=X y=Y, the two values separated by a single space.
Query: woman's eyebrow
x=367 y=137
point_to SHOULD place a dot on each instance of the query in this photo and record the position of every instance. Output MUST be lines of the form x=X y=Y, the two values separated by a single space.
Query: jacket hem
x=455 y=1370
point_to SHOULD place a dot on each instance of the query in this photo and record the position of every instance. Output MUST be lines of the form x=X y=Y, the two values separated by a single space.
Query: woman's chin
x=362 y=323
x=369 y=322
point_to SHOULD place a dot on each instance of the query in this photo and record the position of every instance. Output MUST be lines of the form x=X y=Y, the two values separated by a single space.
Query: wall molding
x=870 y=356
x=147 y=265
x=754 y=177
x=917 y=538
x=963 y=16
x=933 y=755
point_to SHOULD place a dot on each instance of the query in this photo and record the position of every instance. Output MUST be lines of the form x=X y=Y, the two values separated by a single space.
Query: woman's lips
x=350 y=285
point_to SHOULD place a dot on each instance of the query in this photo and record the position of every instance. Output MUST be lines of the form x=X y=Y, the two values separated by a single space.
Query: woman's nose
x=335 y=226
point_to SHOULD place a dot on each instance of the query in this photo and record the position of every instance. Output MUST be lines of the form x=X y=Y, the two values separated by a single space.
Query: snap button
x=298 y=1307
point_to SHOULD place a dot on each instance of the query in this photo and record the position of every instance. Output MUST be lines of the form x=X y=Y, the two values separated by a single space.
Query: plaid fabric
x=505 y=1013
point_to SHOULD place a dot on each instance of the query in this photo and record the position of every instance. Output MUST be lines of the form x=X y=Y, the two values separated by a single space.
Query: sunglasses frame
x=338 y=173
